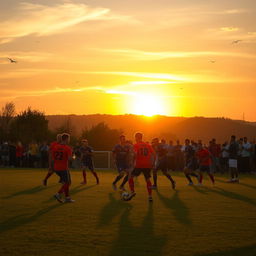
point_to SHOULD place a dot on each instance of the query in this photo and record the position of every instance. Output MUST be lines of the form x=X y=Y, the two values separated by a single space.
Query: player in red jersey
x=204 y=158
x=143 y=162
x=61 y=155
x=51 y=171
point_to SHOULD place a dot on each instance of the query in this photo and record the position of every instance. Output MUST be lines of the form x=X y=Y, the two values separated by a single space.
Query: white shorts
x=232 y=163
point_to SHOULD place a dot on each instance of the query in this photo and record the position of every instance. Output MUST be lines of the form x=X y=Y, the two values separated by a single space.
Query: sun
x=148 y=105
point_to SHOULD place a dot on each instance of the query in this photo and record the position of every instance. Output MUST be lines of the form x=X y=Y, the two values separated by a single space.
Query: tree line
x=31 y=125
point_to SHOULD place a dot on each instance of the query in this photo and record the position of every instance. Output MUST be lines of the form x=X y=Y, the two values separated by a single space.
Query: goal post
x=102 y=160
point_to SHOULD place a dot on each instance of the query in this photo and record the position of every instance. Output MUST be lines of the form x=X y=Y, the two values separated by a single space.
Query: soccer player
x=232 y=161
x=86 y=154
x=61 y=155
x=191 y=164
x=161 y=163
x=129 y=163
x=51 y=171
x=144 y=157
x=120 y=152
x=204 y=159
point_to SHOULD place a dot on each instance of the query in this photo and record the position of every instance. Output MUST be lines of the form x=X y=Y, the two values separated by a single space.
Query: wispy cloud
x=229 y=29
x=42 y=20
x=146 y=55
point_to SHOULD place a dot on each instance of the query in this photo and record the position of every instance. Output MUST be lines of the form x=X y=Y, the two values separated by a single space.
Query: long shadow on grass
x=140 y=240
x=26 y=192
x=73 y=191
x=228 y=194
x=240 y=183
x=112 y=209
x=23 y=219
x=242 y=251
x=179 y=209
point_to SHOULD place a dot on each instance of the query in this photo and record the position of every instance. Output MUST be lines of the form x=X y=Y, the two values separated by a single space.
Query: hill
x=161 y=126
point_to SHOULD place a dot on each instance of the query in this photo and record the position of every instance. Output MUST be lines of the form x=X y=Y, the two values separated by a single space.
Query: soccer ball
x=125 y=195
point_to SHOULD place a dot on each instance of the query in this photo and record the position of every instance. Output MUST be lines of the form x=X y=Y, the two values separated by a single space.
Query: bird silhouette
x=12 y=60
x=236 y=41
x=212 y=61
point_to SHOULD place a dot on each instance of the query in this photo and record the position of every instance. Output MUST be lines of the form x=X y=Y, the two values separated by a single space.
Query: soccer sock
x=96 y=176
x=49 y=174
x=131 y=184
x=119 y=177
x=169 y=177
x=84 y=175
x=149 y=185
x=155 y=178
x=201 y=178
x=211 y=177
x=124 y=181
x=66 y=189
x=188 y=177
x=61 y=189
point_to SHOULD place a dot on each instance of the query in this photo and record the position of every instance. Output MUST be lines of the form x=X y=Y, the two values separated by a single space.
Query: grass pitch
x=192 y=221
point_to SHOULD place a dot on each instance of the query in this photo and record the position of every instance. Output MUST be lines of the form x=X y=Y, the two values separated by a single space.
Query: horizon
x=175 y=59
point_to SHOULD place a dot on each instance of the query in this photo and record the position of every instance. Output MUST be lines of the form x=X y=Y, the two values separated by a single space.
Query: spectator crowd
x=35 y=155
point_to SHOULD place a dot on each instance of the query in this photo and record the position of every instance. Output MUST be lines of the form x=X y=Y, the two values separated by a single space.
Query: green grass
x=192 y=221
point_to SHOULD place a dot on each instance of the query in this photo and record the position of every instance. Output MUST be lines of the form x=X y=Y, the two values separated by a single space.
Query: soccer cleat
x=83 y=183
x=132 y=194
x=58 y=198
x=114 y=187
x=190 y=184
x=173 y=185
x=154 y=187
x=45 y=182
x=150 y=199
x=69 y=200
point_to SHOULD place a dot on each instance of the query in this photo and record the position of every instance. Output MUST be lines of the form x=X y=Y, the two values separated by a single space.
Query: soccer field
x=191 y=221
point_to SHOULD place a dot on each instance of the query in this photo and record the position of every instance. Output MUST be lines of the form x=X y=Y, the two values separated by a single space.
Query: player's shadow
x=26 y=192
x=247 y=251
x=73 y=191
x=179 y=209
x=80 y=188
x=240 y=183
x=138 y=240
x=23 y=219
x=112 y=209
x=229 y=194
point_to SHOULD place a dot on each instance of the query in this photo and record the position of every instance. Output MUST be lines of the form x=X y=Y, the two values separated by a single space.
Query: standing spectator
x=19 y=154
x=224 y=157
x=12 y=154
x=5 y=154
x=232 y=161
x=33 y=154
x=170 y=156
x=246 y=155
x=239 y=156
x=178 y=156
x=215 y=151
x=44 y=153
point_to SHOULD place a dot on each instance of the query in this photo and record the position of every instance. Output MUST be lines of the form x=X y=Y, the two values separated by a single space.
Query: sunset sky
x=175 y=58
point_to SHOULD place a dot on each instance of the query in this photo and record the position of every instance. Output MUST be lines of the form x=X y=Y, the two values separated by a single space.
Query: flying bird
x=236 y=41
x=12 y=60
x=212 y=61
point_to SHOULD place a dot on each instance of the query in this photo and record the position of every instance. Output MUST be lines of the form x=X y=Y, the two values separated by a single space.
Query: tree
x=6 y=116
x=101 y=137
x=29 y=125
